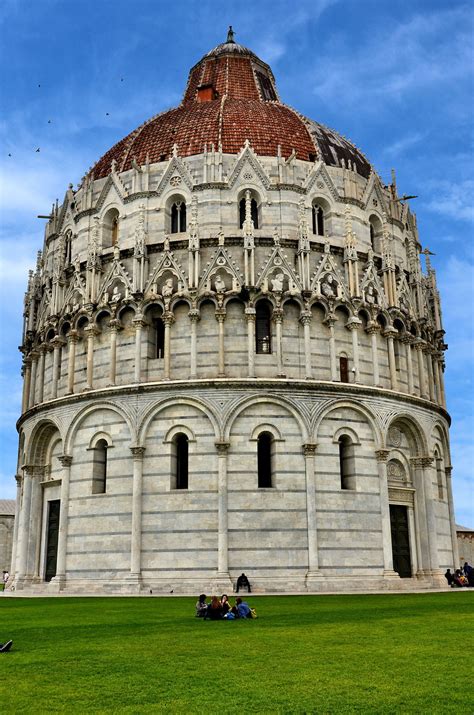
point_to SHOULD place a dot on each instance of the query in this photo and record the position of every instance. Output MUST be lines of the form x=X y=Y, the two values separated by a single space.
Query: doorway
x=400 y=540
x=52 y=539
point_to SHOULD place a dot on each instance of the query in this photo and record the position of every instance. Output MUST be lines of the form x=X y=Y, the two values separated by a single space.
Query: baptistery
x=232 y=361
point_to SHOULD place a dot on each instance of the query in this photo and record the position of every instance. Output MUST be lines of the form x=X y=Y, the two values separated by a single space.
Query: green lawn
x=321 y=654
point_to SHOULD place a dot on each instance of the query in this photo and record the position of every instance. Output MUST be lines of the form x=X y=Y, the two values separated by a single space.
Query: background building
x=233 y=361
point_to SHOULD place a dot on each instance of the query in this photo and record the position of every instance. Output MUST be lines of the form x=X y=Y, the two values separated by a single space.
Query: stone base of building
x=222 y=583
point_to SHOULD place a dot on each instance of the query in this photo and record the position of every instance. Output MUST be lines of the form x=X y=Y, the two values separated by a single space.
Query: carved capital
x=419 y=344
x=18 y=479
x=250 y=314
x=115 y=325
x=382 y=455
x=57 y=342
x=305 y=318
x=390 y=333
x=448 y=471
x=72 y=336
x=194 y=315
x=309 y=449
x=373 y=327
x=139 y=322
x=32 y=471
x=65 y=460
x=90 y=331
x=168 y=318
x=220 y=315
x=421 y=462
x=407 y=339
x=277 y=315
x=330 y=320
x=137 y=452
x=353 y=324
x=222 y=447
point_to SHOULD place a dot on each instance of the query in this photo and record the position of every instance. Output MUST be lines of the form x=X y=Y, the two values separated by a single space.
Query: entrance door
x=400 y=540
x=52 y=539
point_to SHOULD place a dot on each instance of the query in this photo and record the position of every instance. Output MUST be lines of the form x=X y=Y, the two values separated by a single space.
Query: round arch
x=269 y=399
x=413 y=430
x=370 y=417
x=155 y=410
x=39 y=442
x=89 y=409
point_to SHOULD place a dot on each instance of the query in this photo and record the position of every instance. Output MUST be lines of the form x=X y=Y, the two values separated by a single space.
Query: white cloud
x=452 y=199
x=428 y=50
x=400 y=147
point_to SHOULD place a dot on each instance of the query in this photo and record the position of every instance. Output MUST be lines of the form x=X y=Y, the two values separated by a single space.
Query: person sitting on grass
x=201 y=606
x=5 y=647
x=214 y=610
x=225 y=605
x=243 y=582
x=243 y=608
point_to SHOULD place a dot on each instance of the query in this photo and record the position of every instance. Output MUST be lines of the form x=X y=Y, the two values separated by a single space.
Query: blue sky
x=396 y=77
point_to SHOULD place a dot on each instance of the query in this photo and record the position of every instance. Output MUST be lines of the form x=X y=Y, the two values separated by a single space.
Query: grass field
x=318 y=654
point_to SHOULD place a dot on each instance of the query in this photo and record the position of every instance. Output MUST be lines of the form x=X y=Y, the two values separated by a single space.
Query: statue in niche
x=76 y=302
x=403 y=303
x=329 y=287
x=221 y=238
x=277 y=283
x=116 y=295
x=167 y=290
x=219 y=284
x=371 y=295
x=166 y=244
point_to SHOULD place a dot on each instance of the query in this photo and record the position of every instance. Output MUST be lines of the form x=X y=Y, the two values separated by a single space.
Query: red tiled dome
x=230 y=97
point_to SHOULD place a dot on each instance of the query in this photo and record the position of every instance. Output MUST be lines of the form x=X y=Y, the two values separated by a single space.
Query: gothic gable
x=246 y=166
x=221 y=274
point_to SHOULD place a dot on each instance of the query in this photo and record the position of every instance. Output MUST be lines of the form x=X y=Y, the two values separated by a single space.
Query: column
x=194 y=318
x=16 y=522
x=452 y=521
x=136 y=547
x=353 y=325
x=309 y=450
x=421 y=368
x=36 y=519
x=24 y=517
x=251 y=317
x=26 y=384
x=168 y=319
x=139 y=324
x=305 y=319
x=413 y=542
x=278 y=318
x=90 y=332
x=420 y=516
x=223 y=557
x=382 y=457
x=329 y=321
x=43 y=349
x=372 y=329
x=57 y=344
x=72 y=338
x=427 y=466
x=220 y=317
x=437 y=383
x=34 y=370
x=114 y=327
x=66 y=462
x=389 y=333
x=407 y=340
x=430 y=373
x=441 y=381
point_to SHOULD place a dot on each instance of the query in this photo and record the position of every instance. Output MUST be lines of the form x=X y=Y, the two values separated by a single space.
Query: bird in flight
x=37 y=150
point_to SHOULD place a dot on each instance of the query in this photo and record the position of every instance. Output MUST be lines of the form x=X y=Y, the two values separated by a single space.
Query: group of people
x=461 y=577
x=219 y=608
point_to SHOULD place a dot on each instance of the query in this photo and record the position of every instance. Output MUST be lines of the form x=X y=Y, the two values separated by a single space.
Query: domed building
x=232 y=362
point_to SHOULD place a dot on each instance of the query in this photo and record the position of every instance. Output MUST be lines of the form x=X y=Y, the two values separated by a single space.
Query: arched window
x=115 y=229
x=439 y=476
x=263 y=329
x=318 y=220
x=375 y=226
x=346 y=462
x=253 y=211
x=264 y=460
x=344 y=369
x=68 y=248
x=159 y=336
x=99 y=467
x=110 y=228
x=178 y=217
x=181 y=452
